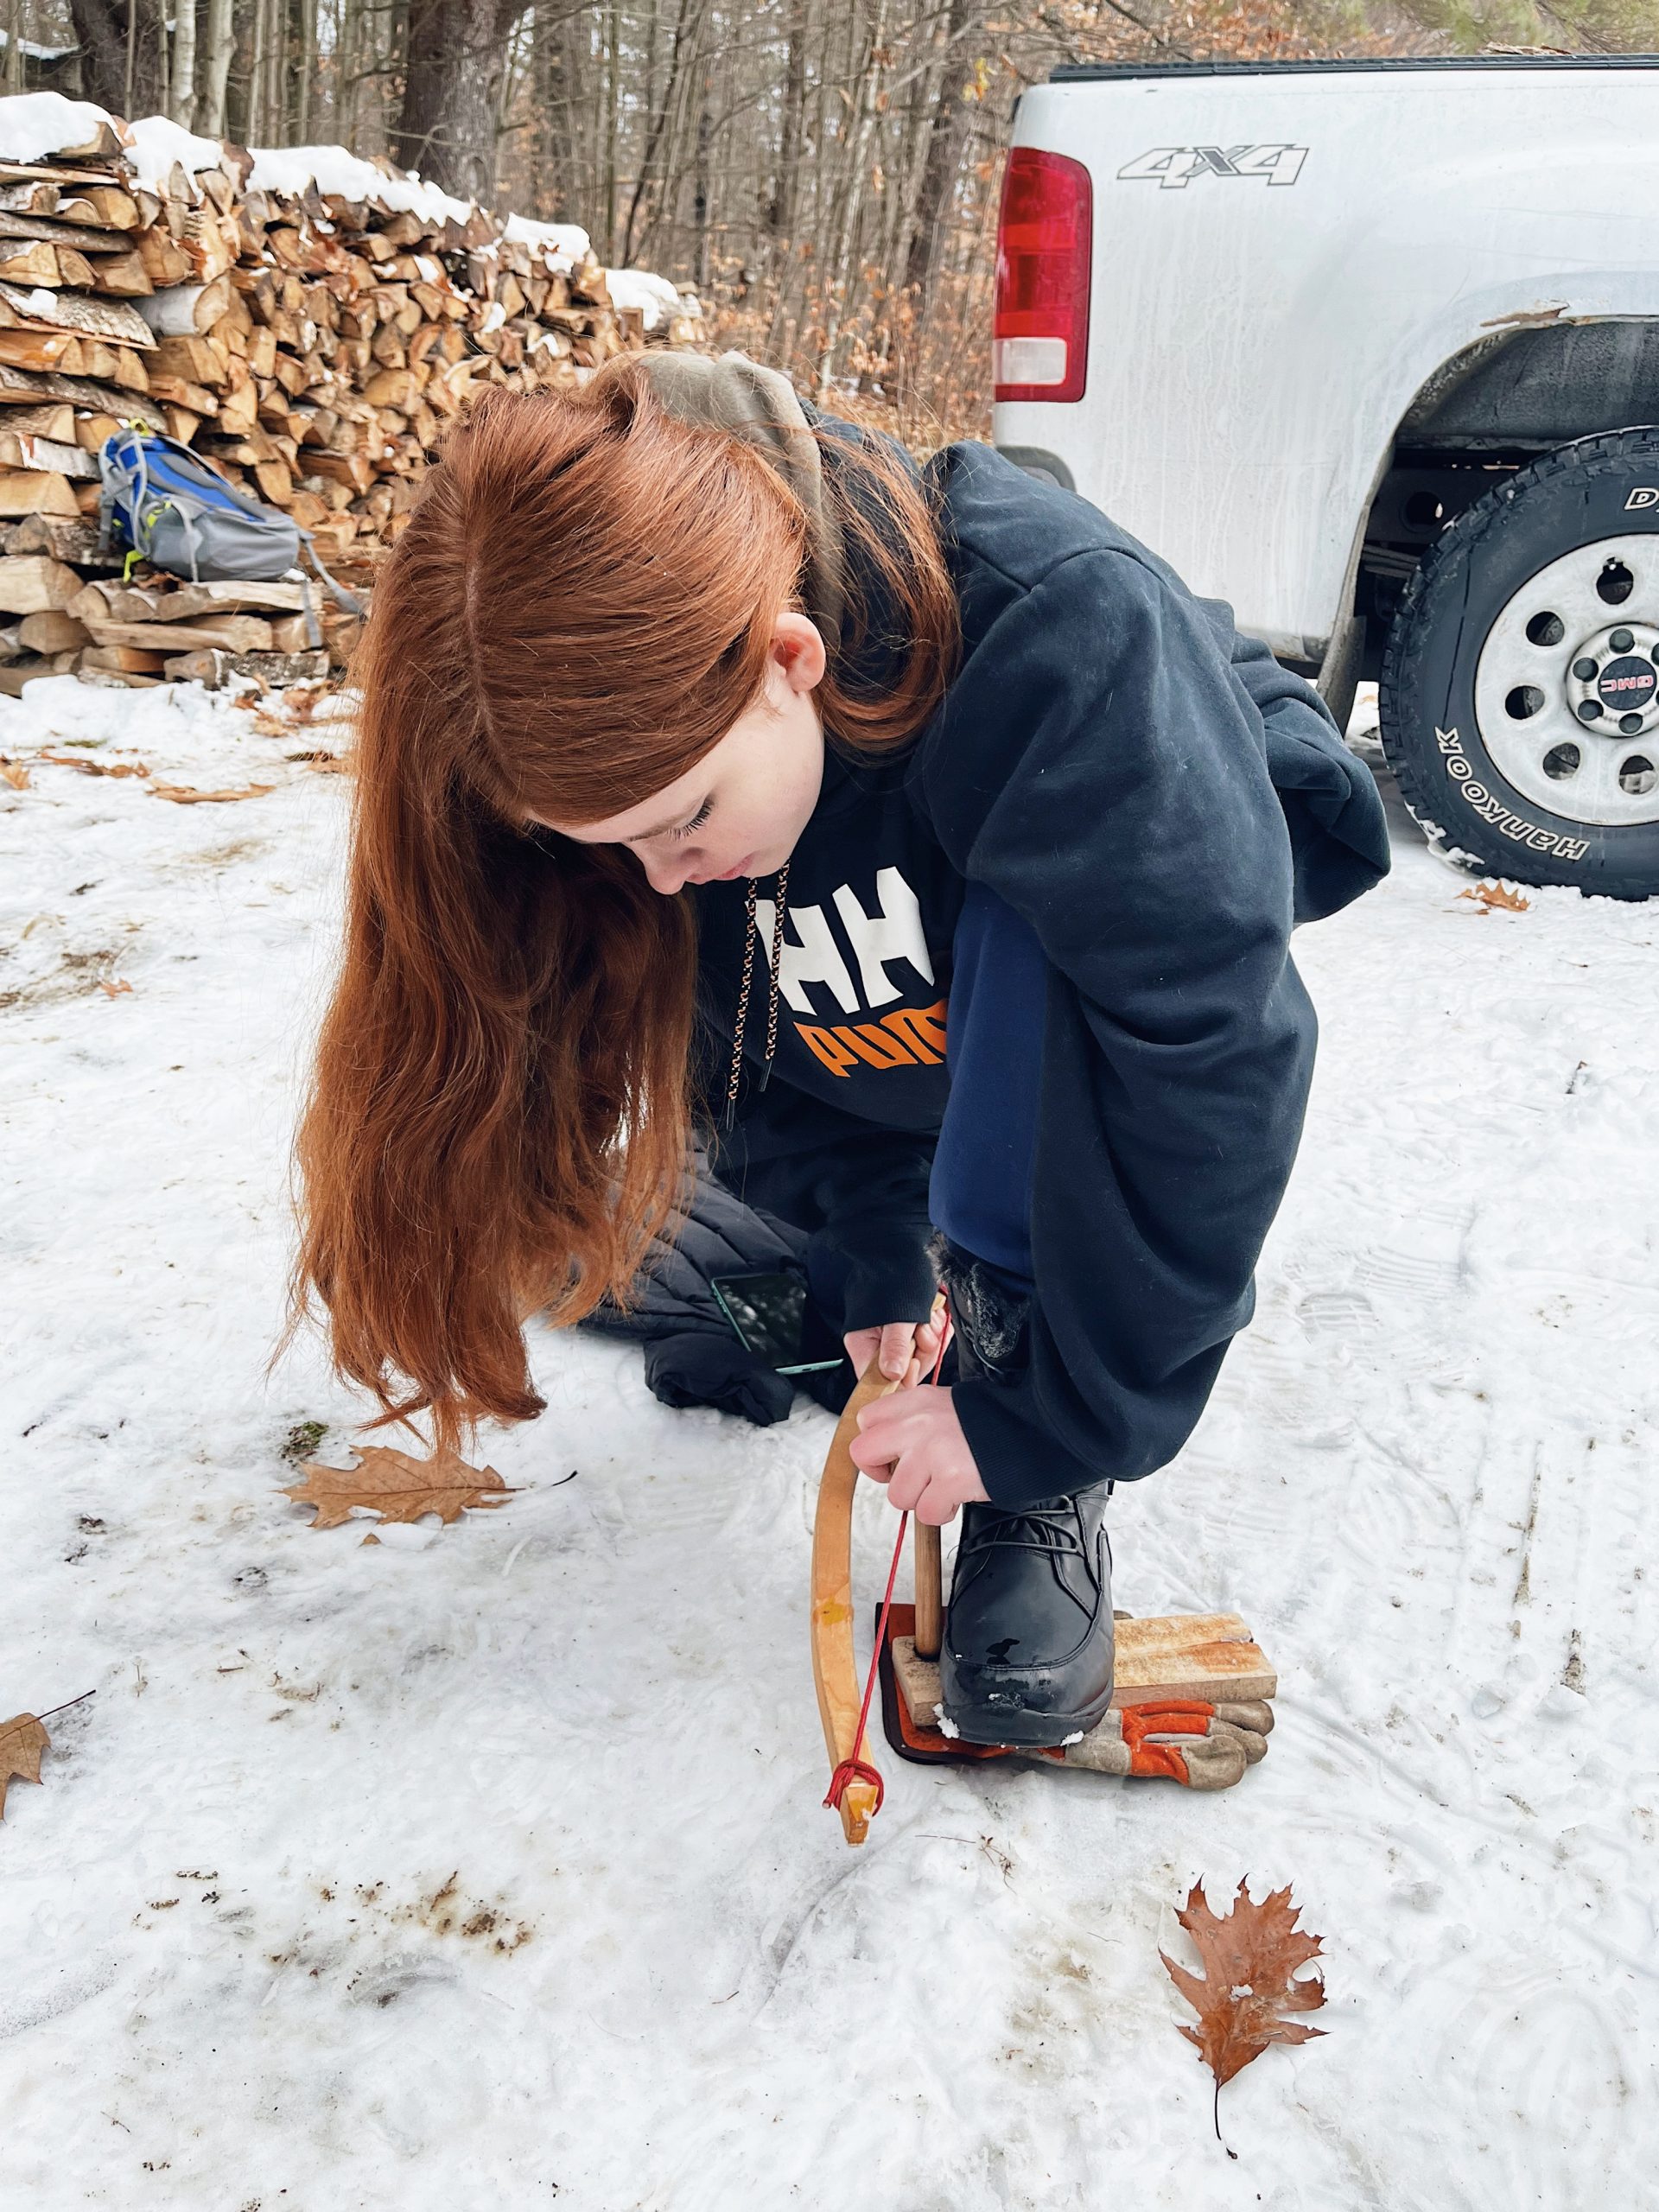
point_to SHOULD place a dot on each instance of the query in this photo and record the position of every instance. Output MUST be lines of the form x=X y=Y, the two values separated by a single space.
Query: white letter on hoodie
x=893 y=933
x=814 y=960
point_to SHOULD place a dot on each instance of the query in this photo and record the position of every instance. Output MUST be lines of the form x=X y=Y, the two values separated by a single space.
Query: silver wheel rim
x=1565 y=642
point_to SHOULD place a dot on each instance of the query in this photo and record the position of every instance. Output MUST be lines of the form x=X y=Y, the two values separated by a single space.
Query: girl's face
x=740 y=810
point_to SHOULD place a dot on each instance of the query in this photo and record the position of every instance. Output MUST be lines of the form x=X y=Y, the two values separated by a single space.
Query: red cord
x=853 y=1768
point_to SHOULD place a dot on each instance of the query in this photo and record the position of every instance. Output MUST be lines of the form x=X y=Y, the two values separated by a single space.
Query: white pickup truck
x=1370 y=350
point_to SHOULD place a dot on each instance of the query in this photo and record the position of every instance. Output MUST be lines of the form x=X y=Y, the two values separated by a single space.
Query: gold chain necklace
x=772 y=992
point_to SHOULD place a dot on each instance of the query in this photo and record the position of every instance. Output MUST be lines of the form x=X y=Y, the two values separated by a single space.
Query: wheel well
x=1482 y=415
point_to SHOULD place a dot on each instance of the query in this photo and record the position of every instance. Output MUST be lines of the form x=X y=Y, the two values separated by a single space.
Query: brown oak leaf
x=1494 y=894
x=397 y=1487
x=185 y=795
x=21 y=1741
x=15 y=773
x=1251 y=1955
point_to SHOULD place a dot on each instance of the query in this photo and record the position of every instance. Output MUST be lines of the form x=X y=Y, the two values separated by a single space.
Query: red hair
x=579 y=608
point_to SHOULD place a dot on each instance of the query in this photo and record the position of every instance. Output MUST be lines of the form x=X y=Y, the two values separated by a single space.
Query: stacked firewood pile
x=311 y=343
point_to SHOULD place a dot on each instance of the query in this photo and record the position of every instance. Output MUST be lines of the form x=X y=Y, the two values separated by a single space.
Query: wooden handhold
x=834 y=1668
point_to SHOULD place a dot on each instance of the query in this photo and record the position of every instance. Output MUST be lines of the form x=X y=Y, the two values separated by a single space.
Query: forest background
x=824 y=172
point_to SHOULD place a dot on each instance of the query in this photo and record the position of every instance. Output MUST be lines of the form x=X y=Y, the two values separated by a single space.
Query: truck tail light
x=1040 y=334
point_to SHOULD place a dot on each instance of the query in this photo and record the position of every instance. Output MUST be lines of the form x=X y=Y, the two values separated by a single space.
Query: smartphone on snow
x=768 y=1314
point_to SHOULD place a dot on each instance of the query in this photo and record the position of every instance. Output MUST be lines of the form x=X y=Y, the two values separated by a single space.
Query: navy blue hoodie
x=1160 y=803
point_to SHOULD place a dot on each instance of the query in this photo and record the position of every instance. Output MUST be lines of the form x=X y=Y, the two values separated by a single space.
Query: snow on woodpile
x=306 y=321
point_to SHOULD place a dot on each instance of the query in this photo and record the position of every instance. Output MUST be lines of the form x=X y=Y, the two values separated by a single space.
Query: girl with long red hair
x=904 y=853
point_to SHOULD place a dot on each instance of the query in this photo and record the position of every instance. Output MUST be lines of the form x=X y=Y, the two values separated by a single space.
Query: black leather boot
x=1027 y=1650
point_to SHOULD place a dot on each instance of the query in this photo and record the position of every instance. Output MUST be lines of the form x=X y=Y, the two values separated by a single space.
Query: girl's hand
x=895 y=1345
x=913 y=1441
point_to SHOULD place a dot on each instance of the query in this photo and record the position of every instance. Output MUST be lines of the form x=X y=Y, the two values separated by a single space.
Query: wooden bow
x=835 y=1667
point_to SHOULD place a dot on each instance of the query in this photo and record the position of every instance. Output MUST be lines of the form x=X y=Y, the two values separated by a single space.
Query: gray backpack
x=163 y=503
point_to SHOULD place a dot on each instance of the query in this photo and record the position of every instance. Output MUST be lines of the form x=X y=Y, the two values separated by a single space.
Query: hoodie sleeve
x=1332 y=809
x=1100 y=764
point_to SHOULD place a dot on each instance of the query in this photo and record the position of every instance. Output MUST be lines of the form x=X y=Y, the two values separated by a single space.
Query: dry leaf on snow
x=95 y=768
x=1250 y=1956
x=1494 y=894
x=15 y=773
x=115 y=990
x=298 y=705
x=22 y=1742
x=186 y=797
x=302 y=699
x=397 y=1487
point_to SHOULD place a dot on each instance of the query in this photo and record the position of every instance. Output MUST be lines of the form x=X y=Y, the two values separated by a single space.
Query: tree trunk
x=221 y=45
x=108 y=30
x=866 y=76
x=308 y=70
x=787 y=183
x=452 y=92
x=700 y=207
x=182 y=105
x=648 y=158
x=946 y=132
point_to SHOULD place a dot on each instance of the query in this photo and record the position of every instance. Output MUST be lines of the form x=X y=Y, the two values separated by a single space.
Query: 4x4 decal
x=1174 y=166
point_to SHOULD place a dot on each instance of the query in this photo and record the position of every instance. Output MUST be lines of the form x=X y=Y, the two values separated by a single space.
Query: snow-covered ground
x=484 y=1867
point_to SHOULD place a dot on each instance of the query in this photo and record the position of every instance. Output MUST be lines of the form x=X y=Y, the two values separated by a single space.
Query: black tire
x=1489 y=775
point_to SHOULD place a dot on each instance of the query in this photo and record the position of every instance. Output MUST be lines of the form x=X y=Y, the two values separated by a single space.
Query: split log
x=115 y=603
x=240 y=633
x=187 y=310
x=50 y=230
x=64 y=540
x=53 y=631
x=34 y=583
x=27 y=389
x=81 y=312
x=216 y=669
x=54 y=420
x=130 y=660
x=19 y=450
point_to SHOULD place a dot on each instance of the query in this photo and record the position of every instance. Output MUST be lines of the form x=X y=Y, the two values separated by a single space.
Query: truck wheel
x=1519 y=700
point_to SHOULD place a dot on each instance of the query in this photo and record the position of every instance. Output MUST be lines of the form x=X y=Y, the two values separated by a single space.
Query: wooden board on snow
x=1210 y=1657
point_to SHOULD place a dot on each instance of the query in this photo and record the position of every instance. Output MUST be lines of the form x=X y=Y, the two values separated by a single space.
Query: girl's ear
x=799 y=649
